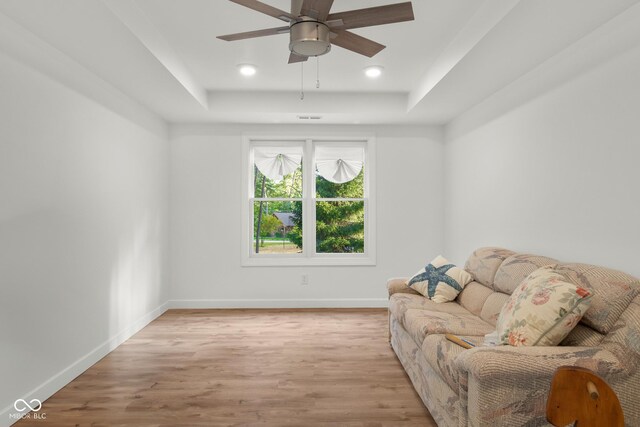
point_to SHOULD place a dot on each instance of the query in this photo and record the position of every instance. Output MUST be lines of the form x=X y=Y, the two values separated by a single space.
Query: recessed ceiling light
x=373 y=72
x=247 y=70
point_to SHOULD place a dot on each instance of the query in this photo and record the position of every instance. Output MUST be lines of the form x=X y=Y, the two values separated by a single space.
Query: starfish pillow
x=439 y=281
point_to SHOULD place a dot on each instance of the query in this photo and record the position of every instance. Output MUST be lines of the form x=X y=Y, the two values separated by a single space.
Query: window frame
x=308 y=257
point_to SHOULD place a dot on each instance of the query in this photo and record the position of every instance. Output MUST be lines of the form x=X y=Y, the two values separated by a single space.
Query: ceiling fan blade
x=256 y=33
x=356 y=43
x=266 y=9
x=297 y=58
x=317 y=9
x=296 y=7
x=336 y=24
x=371 y=16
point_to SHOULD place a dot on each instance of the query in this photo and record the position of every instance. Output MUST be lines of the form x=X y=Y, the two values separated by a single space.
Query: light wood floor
x=246 y=367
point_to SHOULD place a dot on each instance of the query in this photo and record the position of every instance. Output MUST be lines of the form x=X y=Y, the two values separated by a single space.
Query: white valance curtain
x=333 y=163
x=339 y=164
x=277 y=162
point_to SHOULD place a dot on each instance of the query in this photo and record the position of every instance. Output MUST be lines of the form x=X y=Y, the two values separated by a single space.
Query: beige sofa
x=508 y=386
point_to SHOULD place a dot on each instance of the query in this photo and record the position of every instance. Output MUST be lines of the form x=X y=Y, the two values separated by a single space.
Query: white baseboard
x=64 y=377
x=280 y=303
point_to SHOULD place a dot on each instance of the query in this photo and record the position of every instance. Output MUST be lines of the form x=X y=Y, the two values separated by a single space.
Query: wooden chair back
x=582 y=398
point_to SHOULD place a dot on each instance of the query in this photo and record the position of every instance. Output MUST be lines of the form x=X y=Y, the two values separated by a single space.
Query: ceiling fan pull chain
x=317 y=72
x=301 y=80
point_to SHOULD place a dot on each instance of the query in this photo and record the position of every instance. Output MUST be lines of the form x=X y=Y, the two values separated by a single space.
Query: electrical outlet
x=304 y=281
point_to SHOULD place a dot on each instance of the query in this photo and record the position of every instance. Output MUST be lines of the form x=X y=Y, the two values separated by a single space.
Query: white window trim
x=308 y=257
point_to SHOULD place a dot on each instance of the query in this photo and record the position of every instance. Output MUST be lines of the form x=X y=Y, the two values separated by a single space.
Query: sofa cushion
x=492 y=306
x=484 y=262
x=420 y=323
x=401 y=302
x=473 y=297
x=583 y=336
x=439 y=280
x=441 y=355
x=624 y=338
x=516 y=268
x=542 y=310
x=613 y=292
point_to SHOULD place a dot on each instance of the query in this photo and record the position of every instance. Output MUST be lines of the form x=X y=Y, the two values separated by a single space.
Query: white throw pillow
x=439 y=281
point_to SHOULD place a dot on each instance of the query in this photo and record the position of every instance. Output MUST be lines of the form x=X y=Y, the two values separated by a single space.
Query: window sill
x=348 y=261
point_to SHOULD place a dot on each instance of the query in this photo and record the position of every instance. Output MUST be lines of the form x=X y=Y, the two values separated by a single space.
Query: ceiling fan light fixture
x=373 y=72
x=309 y=38
x=247 y=70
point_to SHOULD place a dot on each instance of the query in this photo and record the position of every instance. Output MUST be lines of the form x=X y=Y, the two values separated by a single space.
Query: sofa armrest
x=505 y=386
x=397 y=285
x=516 y=363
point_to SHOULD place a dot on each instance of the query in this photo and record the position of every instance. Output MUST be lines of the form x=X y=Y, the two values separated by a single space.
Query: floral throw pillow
x=542 y=310
x=439 y=281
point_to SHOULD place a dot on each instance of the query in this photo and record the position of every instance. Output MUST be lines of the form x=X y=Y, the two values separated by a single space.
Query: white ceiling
x=191 y=31
x=164 y=54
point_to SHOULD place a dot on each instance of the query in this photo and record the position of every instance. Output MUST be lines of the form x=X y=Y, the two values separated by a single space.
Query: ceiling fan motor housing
x=310 y=38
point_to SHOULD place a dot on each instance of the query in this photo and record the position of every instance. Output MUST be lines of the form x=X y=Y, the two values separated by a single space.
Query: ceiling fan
x=313 y=29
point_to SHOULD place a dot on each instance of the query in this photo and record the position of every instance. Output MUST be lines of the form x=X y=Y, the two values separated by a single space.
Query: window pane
x=340 y=227
x=277 y=172
x=352 y=189
x=279 y=225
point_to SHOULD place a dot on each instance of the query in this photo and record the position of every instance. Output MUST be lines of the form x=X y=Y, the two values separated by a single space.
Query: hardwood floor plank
x=246 y=367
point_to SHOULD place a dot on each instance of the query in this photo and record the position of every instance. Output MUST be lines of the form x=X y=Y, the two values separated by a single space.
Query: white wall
x=206 y=197
x=559 y=175
x=83 y=232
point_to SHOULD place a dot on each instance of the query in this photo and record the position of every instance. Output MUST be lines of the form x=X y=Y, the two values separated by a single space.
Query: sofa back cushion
x=473 y=297
x=583 y=336
x=492 y=306
x=516 y=268
x=624 y=338
x=484 y=262
x=612 y=291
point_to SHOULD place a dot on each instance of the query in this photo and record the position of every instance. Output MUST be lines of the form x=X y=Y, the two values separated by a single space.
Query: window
x=308 y=202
